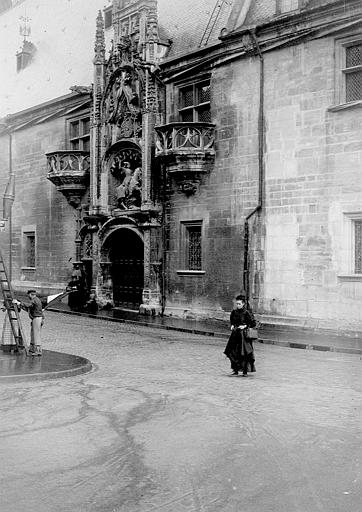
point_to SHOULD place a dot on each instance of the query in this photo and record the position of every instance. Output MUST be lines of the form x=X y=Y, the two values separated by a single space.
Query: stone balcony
x=69 y=172
x=187 y=150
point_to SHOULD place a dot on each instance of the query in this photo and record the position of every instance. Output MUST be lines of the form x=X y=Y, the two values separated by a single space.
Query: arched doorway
x=126 y=258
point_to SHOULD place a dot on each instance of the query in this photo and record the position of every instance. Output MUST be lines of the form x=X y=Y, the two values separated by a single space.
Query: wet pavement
x=159 y=425
x=51 y=365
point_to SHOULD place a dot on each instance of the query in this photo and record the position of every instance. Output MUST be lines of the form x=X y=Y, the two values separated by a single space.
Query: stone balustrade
x=68 y=170
x=187 y=150
x=68 y=161
x=184 y=138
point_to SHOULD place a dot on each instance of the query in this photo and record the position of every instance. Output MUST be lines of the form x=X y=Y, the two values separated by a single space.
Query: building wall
x=301 y=248
x=313 y=162
x=227 y=194
x=39 y=206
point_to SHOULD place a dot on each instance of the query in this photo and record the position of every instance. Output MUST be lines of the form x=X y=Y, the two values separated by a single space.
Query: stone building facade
x=222 y=154
x=280 y=208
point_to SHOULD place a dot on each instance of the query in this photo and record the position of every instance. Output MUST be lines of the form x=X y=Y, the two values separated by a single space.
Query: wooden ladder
x=212 y=22
x=12 y=309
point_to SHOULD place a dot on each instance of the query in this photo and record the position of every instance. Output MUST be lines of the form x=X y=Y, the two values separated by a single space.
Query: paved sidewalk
x=310 y=339
x=159 y=425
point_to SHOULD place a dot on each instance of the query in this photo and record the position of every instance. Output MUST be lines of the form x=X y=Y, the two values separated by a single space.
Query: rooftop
x=185 y=21
x=253 y=12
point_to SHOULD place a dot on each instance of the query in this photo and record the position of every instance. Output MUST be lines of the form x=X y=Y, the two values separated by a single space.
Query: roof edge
x=290 y=17
x=53 y=102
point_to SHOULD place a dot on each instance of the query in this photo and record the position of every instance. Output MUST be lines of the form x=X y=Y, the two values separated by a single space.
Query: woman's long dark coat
x=239 y=348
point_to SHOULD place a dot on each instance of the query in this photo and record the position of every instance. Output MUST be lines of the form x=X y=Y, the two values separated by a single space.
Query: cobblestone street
x=160 y=425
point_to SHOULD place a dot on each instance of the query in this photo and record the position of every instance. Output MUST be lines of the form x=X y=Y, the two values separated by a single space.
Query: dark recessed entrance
x=126 y=257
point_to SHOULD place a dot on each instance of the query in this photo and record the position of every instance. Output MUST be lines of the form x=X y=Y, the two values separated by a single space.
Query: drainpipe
x=261 y=165
x=164 y=241
x=8 y=200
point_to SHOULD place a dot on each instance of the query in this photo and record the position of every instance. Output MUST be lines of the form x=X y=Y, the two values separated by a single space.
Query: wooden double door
x=127 y=269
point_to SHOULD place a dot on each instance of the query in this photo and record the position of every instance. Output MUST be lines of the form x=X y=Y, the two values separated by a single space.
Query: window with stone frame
x=79 y=133
x=352 y=71
x=194 y=102
x=191 y=243
x=349 y=246
x=29 y=246
x=357 y=246
x=348 y=70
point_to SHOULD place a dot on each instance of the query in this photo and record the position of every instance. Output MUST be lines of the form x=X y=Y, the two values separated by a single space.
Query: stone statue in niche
x=124 y=107
x=125 y=96
x=129 y=191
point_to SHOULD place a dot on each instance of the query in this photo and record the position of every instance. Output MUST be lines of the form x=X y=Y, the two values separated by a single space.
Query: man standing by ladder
x=36 y=315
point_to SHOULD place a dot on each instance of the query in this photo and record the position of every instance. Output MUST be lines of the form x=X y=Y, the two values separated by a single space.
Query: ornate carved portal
x=127 y=95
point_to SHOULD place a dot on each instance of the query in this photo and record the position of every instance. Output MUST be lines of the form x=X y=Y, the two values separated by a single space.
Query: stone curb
x=144 y=324
x=266 y=341
x=308 y=346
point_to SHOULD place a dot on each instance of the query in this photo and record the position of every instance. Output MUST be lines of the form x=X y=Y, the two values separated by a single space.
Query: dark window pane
x=86 y=144
x=354 y=86
x=204 y=114
x=187 y=116
x=74 y=144
x=186 y=97
x=194 y=246
x=74 y=130
x=85 y=126
x=203 y=93
x=354 y=56
x=30 y=249
x=358 y=247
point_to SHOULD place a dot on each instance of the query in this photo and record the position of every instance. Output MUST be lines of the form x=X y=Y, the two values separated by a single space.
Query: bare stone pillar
x=151 y=296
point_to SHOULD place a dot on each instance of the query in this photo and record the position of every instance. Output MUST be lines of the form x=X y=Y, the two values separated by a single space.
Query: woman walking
x=239 y=348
